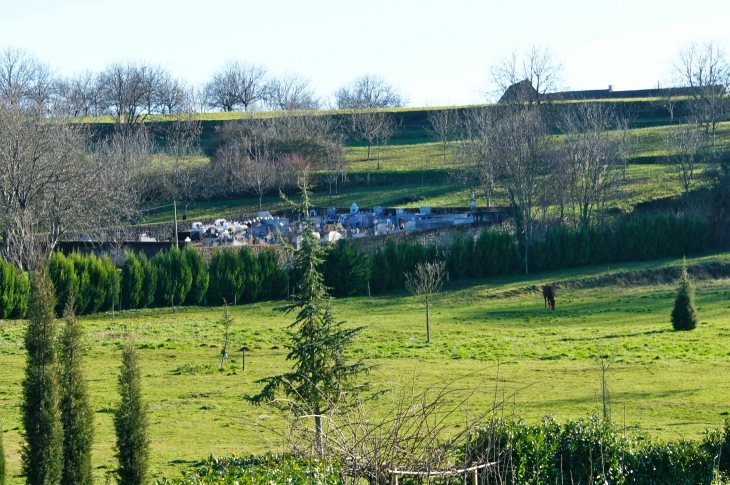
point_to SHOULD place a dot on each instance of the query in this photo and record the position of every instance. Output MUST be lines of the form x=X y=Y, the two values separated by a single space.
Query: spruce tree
x=76 y=413
x=41 y=453
x=130 y=422
x=2 y=457
x=316 y=345
x=684 y=314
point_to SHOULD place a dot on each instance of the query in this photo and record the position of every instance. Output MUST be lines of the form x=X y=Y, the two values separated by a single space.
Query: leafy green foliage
x=589 y=450
x=77 y=416
x=95 y=282
x=41 y=452
x=684 y=313
x=131 y=422
x=254 y=470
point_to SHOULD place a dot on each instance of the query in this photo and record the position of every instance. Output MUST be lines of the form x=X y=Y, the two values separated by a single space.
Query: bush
x=149 y=285
x=588 y=450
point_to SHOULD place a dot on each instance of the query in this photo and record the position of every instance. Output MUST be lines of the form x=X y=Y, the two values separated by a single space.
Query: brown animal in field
x=548 y=292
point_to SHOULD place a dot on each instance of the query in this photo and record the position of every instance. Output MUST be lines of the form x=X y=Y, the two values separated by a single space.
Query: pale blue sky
x=435 y=52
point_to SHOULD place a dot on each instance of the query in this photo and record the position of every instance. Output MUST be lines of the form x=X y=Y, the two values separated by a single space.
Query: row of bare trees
x=132 y=91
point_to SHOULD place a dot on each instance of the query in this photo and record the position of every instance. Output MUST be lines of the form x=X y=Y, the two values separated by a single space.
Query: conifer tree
x=41 y=452
x=130 y=422
x=316 y=345
x=76 y=413
x=684 y=314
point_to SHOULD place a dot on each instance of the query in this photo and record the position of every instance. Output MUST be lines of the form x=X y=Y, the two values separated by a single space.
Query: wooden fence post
x=393 y=478
x=475 y=477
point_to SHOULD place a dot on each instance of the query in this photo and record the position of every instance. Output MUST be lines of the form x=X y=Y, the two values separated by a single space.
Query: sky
x=436 y=53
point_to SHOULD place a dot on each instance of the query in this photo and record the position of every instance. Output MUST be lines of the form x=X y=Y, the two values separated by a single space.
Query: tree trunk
x=369 y=147
x=318 y=432
x=428 y=328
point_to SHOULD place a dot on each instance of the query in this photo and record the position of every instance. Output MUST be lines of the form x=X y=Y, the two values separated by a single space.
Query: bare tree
x=80 y=95
x=135 y=179
x=705 y=68
x=522 y=146
x=593 y=156
x=476 y=153
x=51 y=184
x=368 y=92
x=130 y=91
x=425 y=282
x=171 y=95
x=372 y=127
x=668 y=98
x=537 y=67
x=682 y=147
x=445 y=125
x=290 y=92
x=236 y=85
x=183 y=177
x=24 y=81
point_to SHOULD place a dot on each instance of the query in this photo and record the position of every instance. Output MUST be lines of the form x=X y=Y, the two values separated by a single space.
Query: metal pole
x=174 y=208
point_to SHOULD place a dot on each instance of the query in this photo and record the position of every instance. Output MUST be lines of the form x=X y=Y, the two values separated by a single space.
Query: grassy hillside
x=669 y=384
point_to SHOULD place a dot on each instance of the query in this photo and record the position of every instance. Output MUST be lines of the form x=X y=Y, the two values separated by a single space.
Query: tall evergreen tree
x=131 y=422
x=76 y=413
x=317 y=343
x=684 y=314
x=41 y=452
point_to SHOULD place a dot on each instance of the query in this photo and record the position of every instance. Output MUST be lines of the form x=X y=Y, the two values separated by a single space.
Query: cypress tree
x=2 y=457
x=684 y=314
x=132 y=282
x=200 y=277
x=130 y=422
x=41 y=452
x=76 y=413
x=149 y=285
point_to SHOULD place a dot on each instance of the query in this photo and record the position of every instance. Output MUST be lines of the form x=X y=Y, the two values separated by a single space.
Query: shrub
x=62 y=274
x=13 y=291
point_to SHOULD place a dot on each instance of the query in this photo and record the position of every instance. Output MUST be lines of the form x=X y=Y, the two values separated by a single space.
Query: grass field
x=670 y=384
x=418 y=169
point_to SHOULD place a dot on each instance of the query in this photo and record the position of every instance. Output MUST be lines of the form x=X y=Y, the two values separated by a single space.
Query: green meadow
x=493 y=334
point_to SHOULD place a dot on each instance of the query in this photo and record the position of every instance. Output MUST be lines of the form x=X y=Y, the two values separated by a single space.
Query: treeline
x=497 y=253
x=171 y=278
